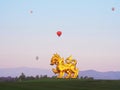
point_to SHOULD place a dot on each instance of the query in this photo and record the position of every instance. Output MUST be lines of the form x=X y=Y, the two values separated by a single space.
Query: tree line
x=23 y=77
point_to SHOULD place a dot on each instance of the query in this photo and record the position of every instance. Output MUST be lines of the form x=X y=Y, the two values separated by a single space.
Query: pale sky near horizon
x=90 y=32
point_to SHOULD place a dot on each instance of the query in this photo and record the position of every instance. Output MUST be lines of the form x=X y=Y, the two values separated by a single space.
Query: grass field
x=61 y=84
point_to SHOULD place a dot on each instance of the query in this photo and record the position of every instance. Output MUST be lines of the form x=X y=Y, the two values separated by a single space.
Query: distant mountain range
x=13 y=72
x=112 y=75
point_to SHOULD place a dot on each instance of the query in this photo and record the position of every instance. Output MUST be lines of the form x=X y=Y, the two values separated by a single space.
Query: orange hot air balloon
x=59 y=33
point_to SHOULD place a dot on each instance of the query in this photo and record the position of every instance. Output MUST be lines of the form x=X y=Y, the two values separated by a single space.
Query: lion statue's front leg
x=61 y=74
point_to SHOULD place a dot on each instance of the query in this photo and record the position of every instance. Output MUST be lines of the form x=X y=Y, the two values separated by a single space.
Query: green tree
x=37 y=77
x=22 y=76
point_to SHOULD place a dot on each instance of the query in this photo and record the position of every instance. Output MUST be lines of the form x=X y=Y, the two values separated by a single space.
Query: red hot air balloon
x=59 y=33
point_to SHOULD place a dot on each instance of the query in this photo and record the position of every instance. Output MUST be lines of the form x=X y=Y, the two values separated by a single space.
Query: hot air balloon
x=113 y=9
x=31 y=11
x=37 y=57
x=59 y=33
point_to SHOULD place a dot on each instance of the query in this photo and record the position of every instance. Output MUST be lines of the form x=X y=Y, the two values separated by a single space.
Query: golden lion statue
x=63 y=67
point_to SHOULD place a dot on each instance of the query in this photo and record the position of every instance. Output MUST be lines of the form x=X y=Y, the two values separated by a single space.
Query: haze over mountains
x=112 y=75
x=13 y=72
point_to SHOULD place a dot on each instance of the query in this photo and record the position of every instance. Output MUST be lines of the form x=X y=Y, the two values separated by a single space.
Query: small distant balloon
x=59 y=33
x=37 y=57
x=113 y=9
x=31 y=11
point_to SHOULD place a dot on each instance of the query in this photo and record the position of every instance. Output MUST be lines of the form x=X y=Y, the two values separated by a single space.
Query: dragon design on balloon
x=64 y=68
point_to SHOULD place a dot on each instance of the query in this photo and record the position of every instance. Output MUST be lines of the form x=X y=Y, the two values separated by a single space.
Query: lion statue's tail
x=73 y=62
x=70 y=60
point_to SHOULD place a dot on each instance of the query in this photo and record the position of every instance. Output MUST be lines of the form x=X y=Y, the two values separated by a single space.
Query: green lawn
x=61 y=84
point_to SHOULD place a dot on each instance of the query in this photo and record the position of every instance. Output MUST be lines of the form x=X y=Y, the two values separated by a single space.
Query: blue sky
x=91 y=33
